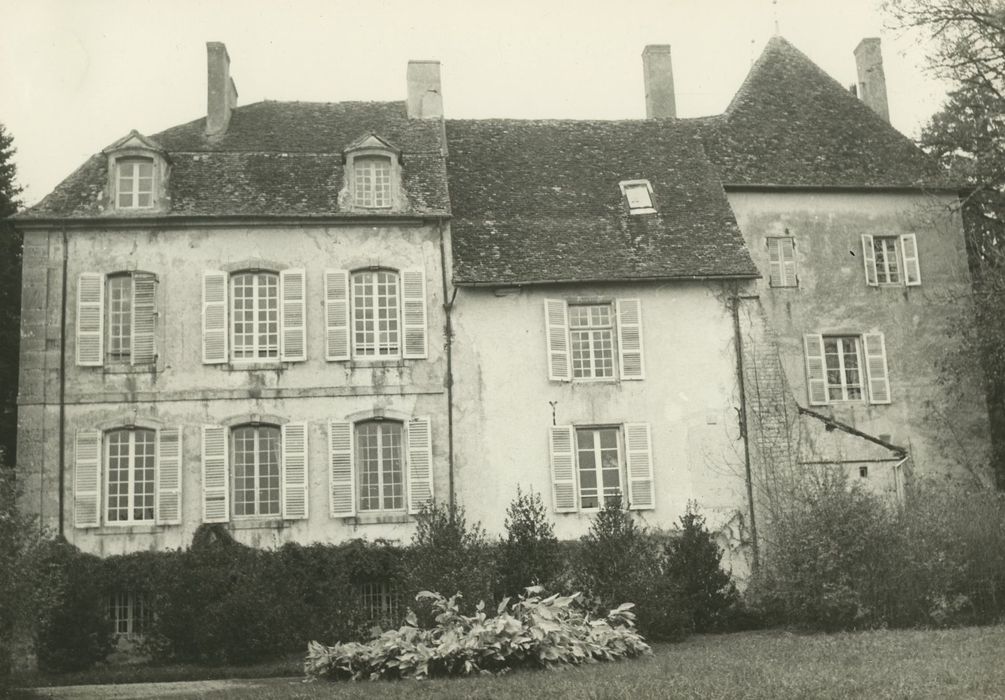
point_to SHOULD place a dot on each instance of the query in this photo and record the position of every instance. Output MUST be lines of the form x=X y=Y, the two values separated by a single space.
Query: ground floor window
x=130 y=613
x=598 y=454
x=380 y=602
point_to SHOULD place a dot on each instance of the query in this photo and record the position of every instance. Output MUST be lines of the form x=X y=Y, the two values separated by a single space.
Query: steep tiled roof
x=539 y=201
x=792 y=124
x=277 y=158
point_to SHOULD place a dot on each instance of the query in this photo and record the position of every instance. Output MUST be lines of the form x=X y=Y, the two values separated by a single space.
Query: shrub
x=530 y=632
x=619 y=560
x=693 y=565
x=529 y=555
x=447 y=554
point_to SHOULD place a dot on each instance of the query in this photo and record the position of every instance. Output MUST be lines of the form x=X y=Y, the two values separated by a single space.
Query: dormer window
x=372 y=175
x=372 y=179
x=639 y=196
x=134 y=183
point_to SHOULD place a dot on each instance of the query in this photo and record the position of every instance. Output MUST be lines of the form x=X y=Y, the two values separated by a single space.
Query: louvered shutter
x=214 y=317
x=292 y=285
x=816 y=370
x=869 y=260
x=90 y=319
x=413 y=303
x=630 y=339
x=788 y=255
x=295 y=474
x=169 y=461
x=420 y=463
x=775 y=275
x=215 y=475
x=341 y=470
x=556 y=318
x=143 y=351
x=875 y=363
x=87 y=478
x=638 y=449
x=909 y=251
x=336 y=315
x=561 y=442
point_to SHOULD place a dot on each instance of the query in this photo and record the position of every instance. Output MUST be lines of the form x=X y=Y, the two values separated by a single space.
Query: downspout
x=62 y=387
x=738 y=344
x=448 y=307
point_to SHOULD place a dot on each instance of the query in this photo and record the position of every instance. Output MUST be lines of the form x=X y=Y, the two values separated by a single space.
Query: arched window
x=255 y=455
x=130 y=458
x=134 y=183
x=254 y=314
x=380 y=466
x=376 y=313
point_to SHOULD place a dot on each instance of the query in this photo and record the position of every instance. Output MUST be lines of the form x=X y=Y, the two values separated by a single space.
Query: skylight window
x=639 y=194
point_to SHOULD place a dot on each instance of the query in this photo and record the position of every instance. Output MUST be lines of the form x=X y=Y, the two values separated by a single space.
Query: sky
x=76 y=75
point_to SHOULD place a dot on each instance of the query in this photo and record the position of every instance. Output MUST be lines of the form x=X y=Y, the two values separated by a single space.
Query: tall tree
x=10 y=298
x=967 y=47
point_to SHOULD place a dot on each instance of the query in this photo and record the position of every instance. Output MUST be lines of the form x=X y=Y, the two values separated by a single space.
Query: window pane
x=372 y=181
x=592 y=337
x=255 y=315
x=120 y=301
x=375 y=313
x=255 y=454
x=130 y=459
x=379 y=464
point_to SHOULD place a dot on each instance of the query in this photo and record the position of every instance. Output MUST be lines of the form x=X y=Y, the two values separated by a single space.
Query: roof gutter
x=885 y=189
x=225 y=221
x=606 y=280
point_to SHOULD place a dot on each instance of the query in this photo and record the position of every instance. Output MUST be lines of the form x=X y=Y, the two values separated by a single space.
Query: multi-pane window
x=380 y=466
x=130 y=458
x=255 y=315
x=375 y=314
x=372 y=181
x=887 y=259
x=120 y=317
x=591 y=330
x=782 y=262
x=598 y=456
x=380 y=601
x=256 y=460
x=842 y=359
x=135 y=183
x=130 y=613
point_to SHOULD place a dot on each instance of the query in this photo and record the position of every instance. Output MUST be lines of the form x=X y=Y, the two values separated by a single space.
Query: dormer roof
x=371 y=141
x=134 y=140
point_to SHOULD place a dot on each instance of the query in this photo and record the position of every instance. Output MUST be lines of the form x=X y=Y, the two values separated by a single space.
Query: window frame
x=374 y=308
x=259 y=276
x=135 y=160
x=598 y=468
x=366 y=164
x=626 y=185
x=130 y=481
x=860 y=368
x=257 y=475
x=591 y=330
x=896 y=255
x=138 y=612
x=402 y=467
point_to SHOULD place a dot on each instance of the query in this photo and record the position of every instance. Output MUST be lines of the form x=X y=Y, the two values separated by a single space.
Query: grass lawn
x=960 y=663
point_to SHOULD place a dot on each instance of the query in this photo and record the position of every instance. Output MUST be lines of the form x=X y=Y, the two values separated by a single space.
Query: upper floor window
x=842 y=368
x=375 y=314
x=639 y=196
x=116 y=319
x=254 y=315
x=891 y=260
x=782 y=262
x=594 y=465
x=372 y=181
x=134 y=183
x=255 y=454
x=380 y=466
x=129 y=456
x=581 y=339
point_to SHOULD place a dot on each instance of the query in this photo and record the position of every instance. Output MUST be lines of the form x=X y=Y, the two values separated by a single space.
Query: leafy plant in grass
x=552 y=631
x=529 y=554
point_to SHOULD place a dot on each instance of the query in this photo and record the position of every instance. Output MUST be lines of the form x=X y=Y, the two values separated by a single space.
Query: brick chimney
x=657 y=69
x=425 y=100
x=221 y=93
x=871 y=78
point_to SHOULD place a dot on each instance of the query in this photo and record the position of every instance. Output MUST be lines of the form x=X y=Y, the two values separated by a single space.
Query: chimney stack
x=871 y=78
x=658 y=71
x=221 y=93
x=425 y=100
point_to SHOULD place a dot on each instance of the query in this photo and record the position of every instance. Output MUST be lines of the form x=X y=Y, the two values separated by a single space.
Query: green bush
x=529 y=554
x=619 y=560
x=693 y=566
x=536 y=632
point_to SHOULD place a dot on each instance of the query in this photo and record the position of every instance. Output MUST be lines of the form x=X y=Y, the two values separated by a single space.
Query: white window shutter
x=556 y=319
x=87 y=478
x=869 y=260
x=875 y=364
x=341 y=470
x=413 y=304
x=169 y=462
x=561 y=446
x=420 y=463
x=912 y=268
x=292 y=286
x=215 y=475
x=90 y=319
x=295 y=474
x=776 y=276
x=630 y=339
x=788 y=254
x=639 y=453
x=143 y=351
x=214 y=317
x=336 y=315
x=816 y=370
